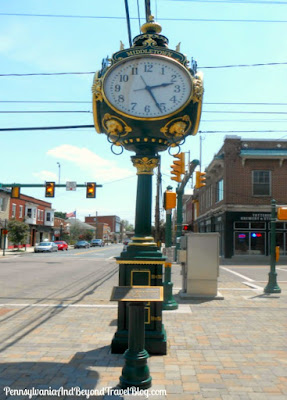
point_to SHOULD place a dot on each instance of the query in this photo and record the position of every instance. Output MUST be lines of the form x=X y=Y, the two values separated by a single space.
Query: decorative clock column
x=146 y=99
x=142 y=264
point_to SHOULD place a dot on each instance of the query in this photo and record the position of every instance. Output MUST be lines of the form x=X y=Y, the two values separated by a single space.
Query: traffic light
x=282 y=213
x=50 y=189
x=200 y=179
x=178 y=167
x=91 y=190
x=15 y=192
x=169 y=200
x=187 y=228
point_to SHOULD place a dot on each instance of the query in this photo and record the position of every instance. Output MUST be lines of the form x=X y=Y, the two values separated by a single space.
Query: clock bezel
x=155 y=56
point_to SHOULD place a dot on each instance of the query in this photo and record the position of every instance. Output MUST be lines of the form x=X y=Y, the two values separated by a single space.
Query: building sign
x=256 y=217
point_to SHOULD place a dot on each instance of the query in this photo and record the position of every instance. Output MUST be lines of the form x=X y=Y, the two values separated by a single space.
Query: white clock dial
x=147 y=87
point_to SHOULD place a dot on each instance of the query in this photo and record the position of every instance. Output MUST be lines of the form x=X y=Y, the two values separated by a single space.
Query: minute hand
x=155 y=86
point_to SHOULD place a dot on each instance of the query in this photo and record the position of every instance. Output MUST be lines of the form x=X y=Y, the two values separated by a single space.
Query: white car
x=45 y=247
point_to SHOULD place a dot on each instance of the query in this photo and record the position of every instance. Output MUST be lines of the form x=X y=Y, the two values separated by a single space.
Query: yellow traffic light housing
x=50 y=189
x=91 y=190
x=169 y=200
x=282 y=213
x=200 y=179
x=15 y=192
x=178 y=167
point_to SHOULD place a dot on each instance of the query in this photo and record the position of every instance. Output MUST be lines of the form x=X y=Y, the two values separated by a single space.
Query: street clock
x=147 y=97
x=147 y=87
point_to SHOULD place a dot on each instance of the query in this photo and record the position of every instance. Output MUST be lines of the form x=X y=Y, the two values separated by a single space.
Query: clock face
x=149 y=87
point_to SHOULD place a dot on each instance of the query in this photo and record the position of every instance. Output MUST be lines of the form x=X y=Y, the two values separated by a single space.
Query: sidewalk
x=231 y=349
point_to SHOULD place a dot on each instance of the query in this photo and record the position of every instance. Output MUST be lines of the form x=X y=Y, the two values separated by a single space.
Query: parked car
x=61 y=245
x=126 y=241
x=45 y=247
x=82 y=244
x=97 y=242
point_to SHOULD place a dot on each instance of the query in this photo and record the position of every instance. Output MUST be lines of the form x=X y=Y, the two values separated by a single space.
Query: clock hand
x=155 y=86
x=148 y=89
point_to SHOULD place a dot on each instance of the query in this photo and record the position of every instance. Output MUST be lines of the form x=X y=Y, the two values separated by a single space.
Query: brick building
x=38 y=214
x=241 y=180
x=108 y=227
x=4 y=213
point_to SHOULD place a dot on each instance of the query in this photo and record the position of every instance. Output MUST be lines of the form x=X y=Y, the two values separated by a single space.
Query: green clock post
x=146 y=99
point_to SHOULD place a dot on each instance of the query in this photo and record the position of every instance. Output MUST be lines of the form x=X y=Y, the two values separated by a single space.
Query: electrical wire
x=90 y=102
x=90 y=112
x=238 y=1
x=92 y=126
x=135 y=18
x=93 y=72
x=41 y=112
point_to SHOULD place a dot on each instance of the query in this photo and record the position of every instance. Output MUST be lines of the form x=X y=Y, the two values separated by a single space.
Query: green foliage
x=60 y=214
x=77 y=232
x=127 y=226
x=17 y=231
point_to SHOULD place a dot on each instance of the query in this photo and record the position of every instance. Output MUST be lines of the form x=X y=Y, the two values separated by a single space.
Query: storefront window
x=249 y=243
x=241 y=243
x=257 y=242
x=241 y=225
x=257 y=225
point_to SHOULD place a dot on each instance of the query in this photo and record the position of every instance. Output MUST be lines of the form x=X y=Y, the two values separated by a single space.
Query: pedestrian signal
x=91 y=190
x=282 y=213
x=50 y=189
x=169 y=200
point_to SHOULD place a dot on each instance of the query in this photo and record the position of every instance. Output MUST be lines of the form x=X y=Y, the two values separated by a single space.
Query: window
x=13 y=210
x=48 y=217
x=29 y=212
x=1 y=204
x=21 y=212
x=219 y=191
x=261 y=183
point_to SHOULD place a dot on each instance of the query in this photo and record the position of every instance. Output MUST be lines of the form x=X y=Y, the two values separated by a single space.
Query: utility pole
x=59 y=165
x=180 y=192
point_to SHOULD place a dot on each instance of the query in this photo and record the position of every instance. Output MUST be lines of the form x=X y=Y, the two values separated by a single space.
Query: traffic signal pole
x=180 y=192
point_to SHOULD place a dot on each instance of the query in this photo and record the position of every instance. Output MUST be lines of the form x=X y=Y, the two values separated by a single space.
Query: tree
x=17 y=231
x=60 y=214
x=127 y=226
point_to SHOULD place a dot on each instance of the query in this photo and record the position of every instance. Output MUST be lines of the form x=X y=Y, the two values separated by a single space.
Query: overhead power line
x=92 y=126
x=90 y=102
x=135 y=18
x=239 y=2
x=42 y=112
x=93 y=72
x=90 y=112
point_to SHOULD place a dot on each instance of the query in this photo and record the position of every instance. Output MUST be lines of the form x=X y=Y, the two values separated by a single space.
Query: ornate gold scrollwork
x=149 y=42
x=97 y=88
x=145 y=165
x=177 y=127
x=115 y=126
x=198 y=87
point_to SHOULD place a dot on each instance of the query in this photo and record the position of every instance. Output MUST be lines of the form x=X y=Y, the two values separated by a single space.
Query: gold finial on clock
x=151 y=26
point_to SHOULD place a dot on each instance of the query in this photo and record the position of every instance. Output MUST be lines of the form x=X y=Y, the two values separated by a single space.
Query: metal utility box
x=200 y=265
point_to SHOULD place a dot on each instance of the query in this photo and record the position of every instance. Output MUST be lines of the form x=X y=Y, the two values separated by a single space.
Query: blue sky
x=47 y=45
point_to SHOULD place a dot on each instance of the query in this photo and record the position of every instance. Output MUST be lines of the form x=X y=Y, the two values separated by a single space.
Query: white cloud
x=90 y=162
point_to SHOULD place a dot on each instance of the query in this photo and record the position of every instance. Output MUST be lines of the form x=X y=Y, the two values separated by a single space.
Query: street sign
x=71 y=186
x=5 y=232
